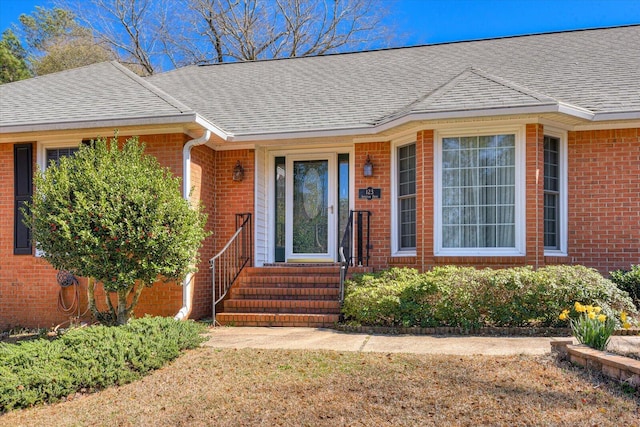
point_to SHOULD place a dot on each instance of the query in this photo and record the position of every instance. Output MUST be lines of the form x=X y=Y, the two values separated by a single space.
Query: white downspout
x=187 y=286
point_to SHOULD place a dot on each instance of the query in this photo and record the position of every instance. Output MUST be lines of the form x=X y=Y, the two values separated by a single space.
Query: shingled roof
x=590 y=74
x=101 y=94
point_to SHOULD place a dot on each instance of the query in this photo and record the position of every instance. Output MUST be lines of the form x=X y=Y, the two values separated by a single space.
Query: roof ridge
x=440 y=91
x=443 y=88
x=392 y=48
x=183 y=108
x=512 y=85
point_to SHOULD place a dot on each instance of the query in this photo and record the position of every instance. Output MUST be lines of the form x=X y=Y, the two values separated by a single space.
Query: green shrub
x=38 y=371
x=629 y=281
x=374 y=298
x=470 y=298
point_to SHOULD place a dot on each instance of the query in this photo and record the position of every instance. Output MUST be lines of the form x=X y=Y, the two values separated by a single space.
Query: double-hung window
x=406 y=197
x=478 y=189
x=555 y=218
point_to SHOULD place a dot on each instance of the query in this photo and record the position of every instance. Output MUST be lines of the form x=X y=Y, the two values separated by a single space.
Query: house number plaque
x=369 y=193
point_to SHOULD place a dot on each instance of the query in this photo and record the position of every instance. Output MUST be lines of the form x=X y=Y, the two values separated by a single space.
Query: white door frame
x=266 y=217
x=332 y=172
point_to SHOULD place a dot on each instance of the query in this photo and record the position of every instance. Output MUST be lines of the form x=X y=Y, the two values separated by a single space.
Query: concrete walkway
x=328 y=339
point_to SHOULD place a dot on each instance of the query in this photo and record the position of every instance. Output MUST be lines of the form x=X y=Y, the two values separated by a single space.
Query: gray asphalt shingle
x=594 y=70
x=597 y=70
x=104 y=91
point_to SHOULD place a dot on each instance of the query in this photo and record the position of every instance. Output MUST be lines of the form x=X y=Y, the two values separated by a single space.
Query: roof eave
x=109 y=122
x=389 y=124
x=621 y=115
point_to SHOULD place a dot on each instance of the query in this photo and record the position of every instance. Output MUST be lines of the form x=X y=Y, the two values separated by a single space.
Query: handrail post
x=368 y=235
x=359 y=238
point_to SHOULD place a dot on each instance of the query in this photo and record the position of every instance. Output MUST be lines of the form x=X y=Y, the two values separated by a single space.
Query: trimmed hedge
x=470 y=298
x=39 y=371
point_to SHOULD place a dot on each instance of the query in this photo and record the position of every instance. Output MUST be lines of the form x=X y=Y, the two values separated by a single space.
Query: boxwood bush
x=470 y=298
x=92 y=358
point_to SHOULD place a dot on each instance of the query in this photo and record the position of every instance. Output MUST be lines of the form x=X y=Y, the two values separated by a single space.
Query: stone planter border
x=624 y=369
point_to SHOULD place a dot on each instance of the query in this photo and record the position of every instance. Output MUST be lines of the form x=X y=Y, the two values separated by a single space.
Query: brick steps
x=278 y=319
x=302 y=295
x=281 y=306
x=286 y=293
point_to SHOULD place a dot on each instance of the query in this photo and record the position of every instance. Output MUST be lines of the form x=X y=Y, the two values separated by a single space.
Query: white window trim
x=563 y=199
x=520 y=193
x=395 y=230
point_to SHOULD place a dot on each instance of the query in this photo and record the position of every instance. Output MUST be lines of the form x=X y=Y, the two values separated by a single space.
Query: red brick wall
x=232 y=197
x=202 y=182
x=534 y=181
x=604 y=198
x=425 y=151
x=28 y=289
x=380 y=237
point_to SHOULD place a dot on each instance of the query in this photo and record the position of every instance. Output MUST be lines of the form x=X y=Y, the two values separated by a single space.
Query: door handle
x=331 y=209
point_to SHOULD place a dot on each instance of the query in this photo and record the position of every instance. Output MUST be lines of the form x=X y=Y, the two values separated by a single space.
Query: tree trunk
x=122 y=314
x=91 y=297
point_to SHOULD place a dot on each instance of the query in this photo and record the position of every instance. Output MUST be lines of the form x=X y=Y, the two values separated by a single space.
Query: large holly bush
x=114 y=215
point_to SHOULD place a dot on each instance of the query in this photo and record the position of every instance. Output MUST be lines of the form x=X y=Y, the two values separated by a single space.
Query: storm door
x=310 y=208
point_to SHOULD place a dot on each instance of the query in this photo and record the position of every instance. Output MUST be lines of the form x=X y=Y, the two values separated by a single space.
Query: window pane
x=55 y=154
x=551 y=189
x=406 y=196
x=451 y=215
x=450 y=197
x=478 y=192
x=451 y=143
x=450 y=158
x=408 y=223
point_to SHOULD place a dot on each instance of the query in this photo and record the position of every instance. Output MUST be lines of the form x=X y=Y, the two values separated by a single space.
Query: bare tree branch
x=152 y=33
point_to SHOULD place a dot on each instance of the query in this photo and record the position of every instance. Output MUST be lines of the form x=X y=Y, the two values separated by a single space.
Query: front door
x=311 y=211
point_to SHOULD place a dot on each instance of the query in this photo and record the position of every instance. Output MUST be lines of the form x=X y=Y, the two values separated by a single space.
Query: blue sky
x=437 y=21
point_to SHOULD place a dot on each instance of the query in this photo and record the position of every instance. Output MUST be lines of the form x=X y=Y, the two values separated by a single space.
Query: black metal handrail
x=227 y=265
x=347 y=245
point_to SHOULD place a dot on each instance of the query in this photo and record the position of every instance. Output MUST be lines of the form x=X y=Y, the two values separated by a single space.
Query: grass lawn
x=324 y=388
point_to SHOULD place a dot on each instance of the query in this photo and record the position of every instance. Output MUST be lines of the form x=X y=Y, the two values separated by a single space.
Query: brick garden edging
x=487 y=331
x=612 y=365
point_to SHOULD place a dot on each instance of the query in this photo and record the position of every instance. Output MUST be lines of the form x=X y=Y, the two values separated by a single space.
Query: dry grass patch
x=324 y=388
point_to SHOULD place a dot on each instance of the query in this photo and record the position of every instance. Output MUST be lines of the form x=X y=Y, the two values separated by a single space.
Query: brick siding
x=604 y=198
x=603 y=216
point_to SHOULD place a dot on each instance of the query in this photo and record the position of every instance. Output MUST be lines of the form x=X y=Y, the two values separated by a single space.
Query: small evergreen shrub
x=38 y=371
x=629 y=281
x=470 y=298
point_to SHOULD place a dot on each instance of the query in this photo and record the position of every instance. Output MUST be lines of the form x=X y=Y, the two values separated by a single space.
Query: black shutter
x=23 y=174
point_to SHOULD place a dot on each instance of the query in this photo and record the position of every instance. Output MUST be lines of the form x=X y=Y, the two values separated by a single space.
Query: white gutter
x=187 y=285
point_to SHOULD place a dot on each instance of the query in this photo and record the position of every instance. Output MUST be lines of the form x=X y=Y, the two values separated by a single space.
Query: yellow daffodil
x=626 y=325
x=591 y=315
x=589 y=308
x=597 y=310
x=623 y=316
x=602 y=318
x=564 y=315
x=579 y=307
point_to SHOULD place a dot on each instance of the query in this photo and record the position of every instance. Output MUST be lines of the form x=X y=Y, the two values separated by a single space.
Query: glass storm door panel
x=310 y=209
